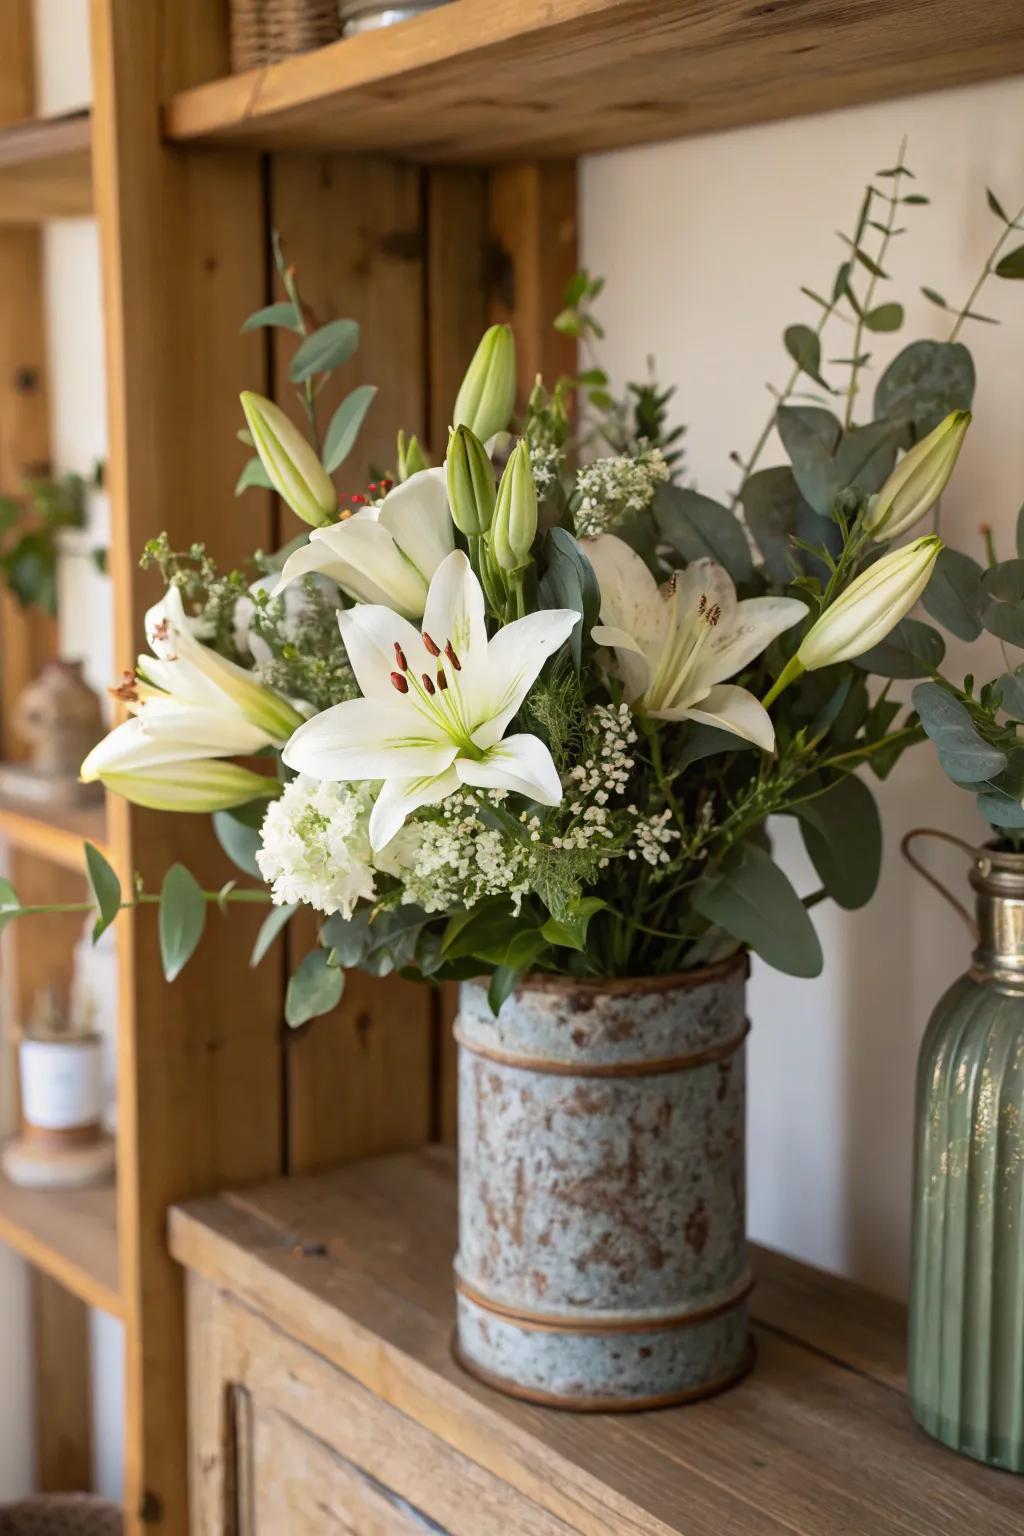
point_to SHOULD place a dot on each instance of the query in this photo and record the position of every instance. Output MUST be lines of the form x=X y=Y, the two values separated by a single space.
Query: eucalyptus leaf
x=771 y=505
x=701 y=529
x=569 y=582
x=239 y=841
x=344 y=426
x=1001 y=809
x=326 y=349
x=275 y=922
x=700 y=741
x=912 y=649
x=924 y=382
x=865 y=456
x=964 y=754
x=314 y=989
x=1020 y=533
x=751 y=899
x=1002 y=612
x=347 y=938
x=804 y=347
x=1011 y=265
x=283 y=314
x=954 y=596
x=887 y=317
x=105 y=887
x=253 y=473
x=182 y=919
x=1011 y=693
x=842 y=832
x=810 y=436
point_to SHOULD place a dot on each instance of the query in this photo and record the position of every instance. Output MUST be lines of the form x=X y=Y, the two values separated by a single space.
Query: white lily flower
x=384 y=554
x=170 y=774
x=675 y=646
x=436 y=705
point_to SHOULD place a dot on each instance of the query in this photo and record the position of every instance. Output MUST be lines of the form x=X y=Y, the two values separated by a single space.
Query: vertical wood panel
x=359 y=1080
x=456 y=205
x=182 y=238
x=532 y=223
x=63 y=1388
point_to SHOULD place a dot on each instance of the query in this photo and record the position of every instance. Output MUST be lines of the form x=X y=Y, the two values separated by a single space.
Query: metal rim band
x=604 y=1404
x=634 y=986
x=549 y=1322
x=547 y=1066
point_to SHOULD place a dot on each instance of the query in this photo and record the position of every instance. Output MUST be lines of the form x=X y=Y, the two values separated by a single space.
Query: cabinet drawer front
x=298 y=1486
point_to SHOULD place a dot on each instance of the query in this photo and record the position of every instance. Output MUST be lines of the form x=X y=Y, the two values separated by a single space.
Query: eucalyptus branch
x=986 y=272
x=865 y=309
x=291 y=287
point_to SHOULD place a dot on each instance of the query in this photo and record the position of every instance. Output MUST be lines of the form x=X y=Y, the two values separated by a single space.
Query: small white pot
x=61 y=1082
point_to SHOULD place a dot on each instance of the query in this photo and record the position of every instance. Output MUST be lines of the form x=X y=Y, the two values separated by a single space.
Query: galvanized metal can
x=602 y=1256
x=966 y=1362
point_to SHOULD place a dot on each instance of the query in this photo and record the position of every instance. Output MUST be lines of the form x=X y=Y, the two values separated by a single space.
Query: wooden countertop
x=355 y=1264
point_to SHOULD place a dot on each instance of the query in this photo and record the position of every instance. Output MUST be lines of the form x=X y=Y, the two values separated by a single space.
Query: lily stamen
x=450 y=653
x=431 y=647
x=442 y=681
x=428 y=684
x=400 y=682
x=403 y=665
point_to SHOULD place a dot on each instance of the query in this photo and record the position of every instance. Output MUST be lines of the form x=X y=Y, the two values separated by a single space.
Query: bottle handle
x=933 y=880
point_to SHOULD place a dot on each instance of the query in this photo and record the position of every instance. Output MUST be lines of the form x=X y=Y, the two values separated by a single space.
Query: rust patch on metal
x=550 y=1067
x=697 y=1228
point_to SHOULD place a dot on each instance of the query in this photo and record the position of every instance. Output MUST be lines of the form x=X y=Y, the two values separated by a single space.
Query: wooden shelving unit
x=46 y=169
x=481 y=81
x=71 y=1235
x=423 y=179
x=57 y=835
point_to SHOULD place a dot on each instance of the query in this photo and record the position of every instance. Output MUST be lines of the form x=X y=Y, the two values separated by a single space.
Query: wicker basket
x=263 y=31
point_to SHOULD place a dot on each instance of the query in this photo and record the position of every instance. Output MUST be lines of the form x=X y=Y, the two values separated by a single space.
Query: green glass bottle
x=967 y=1282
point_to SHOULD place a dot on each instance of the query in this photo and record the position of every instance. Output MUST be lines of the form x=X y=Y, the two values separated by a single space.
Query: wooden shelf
x=354 y=1266
x=46 y=169
x=57 y=835
x=70 y=1234
x=486 y=80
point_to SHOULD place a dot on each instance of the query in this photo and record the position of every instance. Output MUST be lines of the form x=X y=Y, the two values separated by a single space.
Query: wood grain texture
x=533 y=254
x=458 y=275
x=358 y=1079
x=199 y=1062
x=69 y=1234
x=45 y=169
x=55 y=833
x=503 y=79
x=63 y=1388
x=354 y=1266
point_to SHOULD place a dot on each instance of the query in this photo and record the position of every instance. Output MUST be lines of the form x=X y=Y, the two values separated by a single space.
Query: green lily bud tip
x=487 y=397
x=292 y=466
x=411 y=458
x=918 y=480
x=514 y=527
x=470 y=478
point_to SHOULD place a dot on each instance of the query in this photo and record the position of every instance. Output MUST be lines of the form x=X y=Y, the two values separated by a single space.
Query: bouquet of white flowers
x=530 y=710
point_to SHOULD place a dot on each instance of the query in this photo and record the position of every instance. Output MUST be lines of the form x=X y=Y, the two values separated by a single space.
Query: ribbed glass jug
x=966 y=1364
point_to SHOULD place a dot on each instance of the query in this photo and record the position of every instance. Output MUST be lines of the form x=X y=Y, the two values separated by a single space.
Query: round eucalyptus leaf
x=925 y=382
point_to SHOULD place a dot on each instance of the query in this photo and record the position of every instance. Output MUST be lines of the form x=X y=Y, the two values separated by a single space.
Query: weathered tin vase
x=967 y=1286
x=602 y=1257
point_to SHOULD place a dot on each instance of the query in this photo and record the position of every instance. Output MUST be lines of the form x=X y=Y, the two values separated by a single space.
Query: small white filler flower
x=675 y=646
x=436 y=704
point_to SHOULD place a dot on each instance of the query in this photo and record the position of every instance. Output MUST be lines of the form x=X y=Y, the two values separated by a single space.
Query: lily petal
x=363 y=558
x=400 y=797
x=634 y=665
x=514 y=659
x=520 y=763
x=370 y=633
x=757 y=622
x=454 y=615
x=369 y=739
x=708 y=580
x=731 y=709
x=630 y=597
x=416 y=515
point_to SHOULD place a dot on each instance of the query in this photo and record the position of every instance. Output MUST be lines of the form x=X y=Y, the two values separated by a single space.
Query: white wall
x=705 y=244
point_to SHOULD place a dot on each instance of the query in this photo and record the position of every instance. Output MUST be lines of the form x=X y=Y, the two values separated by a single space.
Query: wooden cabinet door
x=296 y=1485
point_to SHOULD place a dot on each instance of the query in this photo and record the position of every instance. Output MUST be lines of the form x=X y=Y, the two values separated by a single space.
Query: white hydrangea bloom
x=316 y=845
x=613 y=489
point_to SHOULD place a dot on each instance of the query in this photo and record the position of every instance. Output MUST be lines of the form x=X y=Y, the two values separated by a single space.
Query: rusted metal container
x=602 y=1257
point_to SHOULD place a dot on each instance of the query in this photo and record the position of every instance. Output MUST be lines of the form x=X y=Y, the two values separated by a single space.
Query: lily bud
x=515 y=514
x=148 y=772
x=918 y=480
x=487 y=396
x=292 y=466
x=870 y=607
x=470 y=483
x=411 y=458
